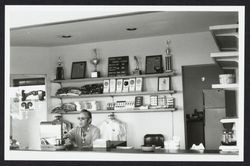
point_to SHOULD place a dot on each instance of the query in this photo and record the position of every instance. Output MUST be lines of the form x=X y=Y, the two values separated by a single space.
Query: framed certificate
x=78 y=70
x=163 y=83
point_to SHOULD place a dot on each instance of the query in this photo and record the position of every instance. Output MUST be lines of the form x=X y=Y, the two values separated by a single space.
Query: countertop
x=157 y=151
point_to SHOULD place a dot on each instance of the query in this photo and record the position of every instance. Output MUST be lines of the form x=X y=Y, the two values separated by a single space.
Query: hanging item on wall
x=154 y=64
x=78 y=70
x=163 y=83
x=137 y=71
x=59 y=70
x=118 y=66
x=95 y=61
x=168 y=58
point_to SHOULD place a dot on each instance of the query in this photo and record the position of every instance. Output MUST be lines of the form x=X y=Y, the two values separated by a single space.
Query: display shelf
x=223 y=28
x=118 y=77
x=225 y=36
x=125 y=111
x=225 y=86
x=229 y=120
x=226 y=60
x=116 y=94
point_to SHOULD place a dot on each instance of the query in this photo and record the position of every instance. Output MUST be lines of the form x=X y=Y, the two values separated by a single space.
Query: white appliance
x=25 y=121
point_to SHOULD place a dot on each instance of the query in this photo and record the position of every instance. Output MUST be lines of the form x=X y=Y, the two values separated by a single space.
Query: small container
x=226 y=78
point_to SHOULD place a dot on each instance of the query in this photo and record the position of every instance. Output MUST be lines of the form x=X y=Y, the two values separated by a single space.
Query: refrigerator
x=214 y=110
x=217 y=104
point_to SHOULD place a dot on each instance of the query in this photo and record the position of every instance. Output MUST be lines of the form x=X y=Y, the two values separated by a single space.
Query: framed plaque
x=154 y=64
x=118 y=66
x=163 y=83
x=78 y=70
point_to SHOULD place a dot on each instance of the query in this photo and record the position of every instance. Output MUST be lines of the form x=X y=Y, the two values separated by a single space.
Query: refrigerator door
x=213 y=128
x=213 y=98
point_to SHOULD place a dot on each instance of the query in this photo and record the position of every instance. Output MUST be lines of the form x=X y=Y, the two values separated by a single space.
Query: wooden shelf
x=229 y=120
x=106 y=78
x=225 y=86
x=116 y=94
x=225 y=36
x=124 y=111
x=226 y=60
x=223 y=27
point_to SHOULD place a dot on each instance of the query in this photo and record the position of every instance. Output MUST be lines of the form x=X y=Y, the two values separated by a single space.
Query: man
x=84 y=134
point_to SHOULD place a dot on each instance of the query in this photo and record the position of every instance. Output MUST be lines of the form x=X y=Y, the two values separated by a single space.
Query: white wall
x=187 y=49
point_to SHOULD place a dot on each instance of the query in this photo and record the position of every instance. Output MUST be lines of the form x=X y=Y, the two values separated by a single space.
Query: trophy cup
x=168 y=58
x=59 y=70
x=137 y=71
x=95 y=62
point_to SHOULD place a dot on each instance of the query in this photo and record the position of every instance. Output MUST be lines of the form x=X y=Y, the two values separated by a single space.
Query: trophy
x=59 y=70
x=168 y=58
x=95 y=62
x=137 y=71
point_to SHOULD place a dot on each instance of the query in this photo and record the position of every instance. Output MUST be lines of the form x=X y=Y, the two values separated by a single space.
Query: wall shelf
x=124 y=111
x=226 y=60
x=119 y=77
x=229 y=120
x=225 y=86
x=225 y=36
x=115 y=94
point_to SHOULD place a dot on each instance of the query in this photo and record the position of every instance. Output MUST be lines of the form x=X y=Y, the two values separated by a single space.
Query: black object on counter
x=154 y=139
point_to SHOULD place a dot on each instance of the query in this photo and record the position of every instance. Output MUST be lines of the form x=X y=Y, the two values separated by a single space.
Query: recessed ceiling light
x=131 y=29
x=66 y=36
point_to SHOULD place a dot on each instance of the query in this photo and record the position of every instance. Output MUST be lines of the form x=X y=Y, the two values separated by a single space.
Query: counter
x=139 y=151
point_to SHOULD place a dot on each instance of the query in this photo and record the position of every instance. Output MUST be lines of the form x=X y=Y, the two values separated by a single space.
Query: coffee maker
x=229 y=139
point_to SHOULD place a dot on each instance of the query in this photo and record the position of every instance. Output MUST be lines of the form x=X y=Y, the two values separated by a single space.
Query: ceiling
x=114 y=27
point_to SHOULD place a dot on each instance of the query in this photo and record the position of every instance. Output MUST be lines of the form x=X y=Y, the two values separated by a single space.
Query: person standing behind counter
x=85 y=133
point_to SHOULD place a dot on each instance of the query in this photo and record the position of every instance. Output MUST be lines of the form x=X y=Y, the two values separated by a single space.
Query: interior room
x=169 y=79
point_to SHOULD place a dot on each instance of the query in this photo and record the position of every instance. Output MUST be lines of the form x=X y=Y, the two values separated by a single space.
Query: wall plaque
x=154 y=64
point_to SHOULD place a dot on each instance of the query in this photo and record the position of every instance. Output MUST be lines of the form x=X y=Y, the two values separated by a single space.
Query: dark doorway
x=196 y=78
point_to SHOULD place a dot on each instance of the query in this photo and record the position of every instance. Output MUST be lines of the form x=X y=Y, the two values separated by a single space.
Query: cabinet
x=71 y=82
x=226 y=38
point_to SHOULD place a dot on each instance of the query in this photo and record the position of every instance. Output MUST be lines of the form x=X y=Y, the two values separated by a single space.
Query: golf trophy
x=59 y=70
x=95 y=62
x=137 y=71
x=168 y=58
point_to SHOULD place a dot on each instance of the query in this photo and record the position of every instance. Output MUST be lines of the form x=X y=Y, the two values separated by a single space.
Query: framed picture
x=154 y=64
x=78 y=70
x=163 y=83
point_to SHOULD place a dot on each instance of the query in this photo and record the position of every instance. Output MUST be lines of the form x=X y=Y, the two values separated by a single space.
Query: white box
x=106 y=86
x=131 y=84
x=119 y=83
x=138 y=84
x=125 y=85
x=112 y=86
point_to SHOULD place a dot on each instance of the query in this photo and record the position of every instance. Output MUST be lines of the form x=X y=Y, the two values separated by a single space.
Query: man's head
x=84 y=118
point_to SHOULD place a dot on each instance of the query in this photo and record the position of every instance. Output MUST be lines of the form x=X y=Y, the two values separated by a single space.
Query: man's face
x=83 y=119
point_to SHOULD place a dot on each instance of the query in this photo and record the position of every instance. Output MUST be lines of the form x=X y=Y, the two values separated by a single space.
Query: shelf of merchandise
x=124 y=111
x=118 y=77
x=115 y=94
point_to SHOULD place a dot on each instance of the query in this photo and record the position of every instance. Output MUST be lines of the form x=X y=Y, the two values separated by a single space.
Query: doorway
x=196 y=78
